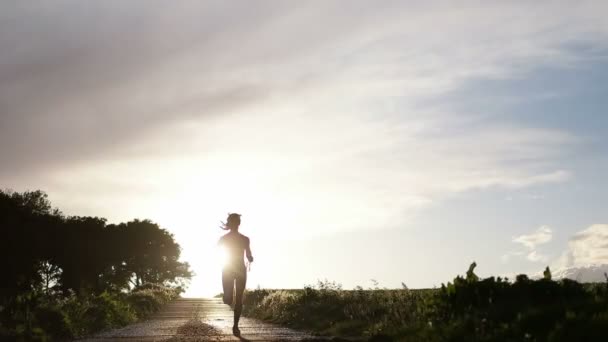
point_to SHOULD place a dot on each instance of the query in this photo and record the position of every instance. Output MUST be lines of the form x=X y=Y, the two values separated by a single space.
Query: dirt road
x=198 y=319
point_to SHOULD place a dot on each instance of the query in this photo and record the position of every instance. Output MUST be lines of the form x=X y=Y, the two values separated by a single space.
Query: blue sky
x=395 y=141
x=577 y=106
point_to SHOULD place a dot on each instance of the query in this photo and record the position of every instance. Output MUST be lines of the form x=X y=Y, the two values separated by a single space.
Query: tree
x=51 y=277
x=84 y=255
x=24 y=218
x=45 y=256
x=42 y=249
x=152 y=254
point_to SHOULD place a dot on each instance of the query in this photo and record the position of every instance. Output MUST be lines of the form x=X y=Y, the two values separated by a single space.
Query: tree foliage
x=44 y=251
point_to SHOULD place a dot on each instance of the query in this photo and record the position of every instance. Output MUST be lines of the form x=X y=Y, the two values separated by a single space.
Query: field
x=466 y=309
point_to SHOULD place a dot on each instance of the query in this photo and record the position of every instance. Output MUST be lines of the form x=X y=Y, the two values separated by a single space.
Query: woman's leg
x=228 y=286
x=241 y=281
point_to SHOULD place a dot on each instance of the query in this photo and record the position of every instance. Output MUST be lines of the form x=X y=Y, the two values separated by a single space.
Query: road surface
x=198 y=319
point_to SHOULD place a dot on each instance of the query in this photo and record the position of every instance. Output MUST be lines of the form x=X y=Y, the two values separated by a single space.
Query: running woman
x=234 y=273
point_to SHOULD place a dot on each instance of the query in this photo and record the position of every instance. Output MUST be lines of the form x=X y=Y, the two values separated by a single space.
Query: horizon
x=390 y=142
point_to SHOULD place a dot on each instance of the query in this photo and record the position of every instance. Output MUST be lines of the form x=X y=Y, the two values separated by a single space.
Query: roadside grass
x=466 y=309
x=58 y=318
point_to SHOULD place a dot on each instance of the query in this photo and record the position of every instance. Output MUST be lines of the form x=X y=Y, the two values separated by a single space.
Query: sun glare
x=222 y=255
x=206 y=260
x=195 y=210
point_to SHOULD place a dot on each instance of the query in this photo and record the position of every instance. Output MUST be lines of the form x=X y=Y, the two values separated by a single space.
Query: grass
x=41 y=317
x=466 y=309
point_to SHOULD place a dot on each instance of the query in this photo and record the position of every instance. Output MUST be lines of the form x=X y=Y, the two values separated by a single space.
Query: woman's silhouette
x=234 y=274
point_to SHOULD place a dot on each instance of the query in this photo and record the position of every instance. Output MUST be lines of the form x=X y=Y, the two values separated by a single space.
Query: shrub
x=89 y=314
x=466 y=309
x=149 y=298
x=37 y=317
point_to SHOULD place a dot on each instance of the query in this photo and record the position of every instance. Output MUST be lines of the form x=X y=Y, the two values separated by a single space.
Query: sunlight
x=207 y=192
x=222 y=255
x=206 y=261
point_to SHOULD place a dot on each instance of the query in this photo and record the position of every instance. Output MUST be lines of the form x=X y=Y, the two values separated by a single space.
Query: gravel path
x=198 y=319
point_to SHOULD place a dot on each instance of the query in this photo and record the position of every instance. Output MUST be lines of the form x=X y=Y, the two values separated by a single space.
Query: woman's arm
x=248 y=251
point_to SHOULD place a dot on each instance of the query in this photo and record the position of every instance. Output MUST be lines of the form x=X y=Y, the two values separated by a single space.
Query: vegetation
x=467 y=309
x=68 y=276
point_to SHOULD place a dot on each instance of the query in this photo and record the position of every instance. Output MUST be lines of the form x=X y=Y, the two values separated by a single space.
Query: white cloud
x=587 y=247
x=531 y=241
x=534 y=256
x=541 y=236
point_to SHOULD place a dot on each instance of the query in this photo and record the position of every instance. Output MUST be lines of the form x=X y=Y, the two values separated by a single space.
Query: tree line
x=43 y=250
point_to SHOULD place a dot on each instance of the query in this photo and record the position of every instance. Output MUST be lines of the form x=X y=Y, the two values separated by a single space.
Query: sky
x=387 y=141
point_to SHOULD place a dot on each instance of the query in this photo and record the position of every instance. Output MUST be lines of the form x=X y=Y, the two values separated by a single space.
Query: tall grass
x=466 y=309
x=328 y=309
x=37 y=316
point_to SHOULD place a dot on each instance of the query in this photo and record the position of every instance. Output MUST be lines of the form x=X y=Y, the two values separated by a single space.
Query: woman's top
x=236 y=245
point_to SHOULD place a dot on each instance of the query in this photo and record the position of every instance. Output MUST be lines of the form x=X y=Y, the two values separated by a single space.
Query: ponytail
x=233 y=220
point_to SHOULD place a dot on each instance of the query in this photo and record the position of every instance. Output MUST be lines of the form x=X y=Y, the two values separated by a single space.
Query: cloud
x=587 y=247
x=531 y=241
x=82 y=80
x=534 y=256
x=541 y=236
x=141 y=104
